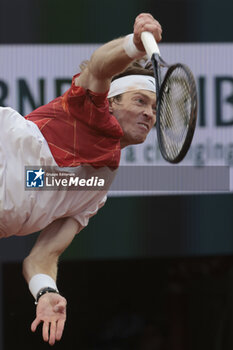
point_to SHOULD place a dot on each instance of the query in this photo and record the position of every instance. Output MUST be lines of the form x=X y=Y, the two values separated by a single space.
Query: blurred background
x=149 y=272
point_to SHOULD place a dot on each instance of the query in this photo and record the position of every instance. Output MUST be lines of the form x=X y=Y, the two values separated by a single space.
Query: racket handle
x=150 y=44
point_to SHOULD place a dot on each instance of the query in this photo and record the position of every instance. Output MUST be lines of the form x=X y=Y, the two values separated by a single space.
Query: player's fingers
x=52 y=333
x=150 y=27
x=45 y=331
x=60 y=328
x=155 y=30
x=141 y=22
x=34 y=324
x=144 y=15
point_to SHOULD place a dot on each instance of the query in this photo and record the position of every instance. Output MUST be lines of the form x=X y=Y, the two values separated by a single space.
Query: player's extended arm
x=43 y=259
x=113 y=57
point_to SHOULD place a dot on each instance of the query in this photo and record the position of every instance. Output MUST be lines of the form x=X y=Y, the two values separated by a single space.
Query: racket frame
x=192 y=117
x=153 y=53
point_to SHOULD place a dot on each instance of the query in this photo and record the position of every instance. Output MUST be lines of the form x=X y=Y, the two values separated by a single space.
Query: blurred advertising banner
x=32 y=75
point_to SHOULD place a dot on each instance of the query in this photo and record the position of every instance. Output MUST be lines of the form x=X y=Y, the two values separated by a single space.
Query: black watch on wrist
x=44 y=291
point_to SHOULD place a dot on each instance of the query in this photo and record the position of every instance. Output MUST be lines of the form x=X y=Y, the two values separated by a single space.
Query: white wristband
x=130 y=49
x=39 y=281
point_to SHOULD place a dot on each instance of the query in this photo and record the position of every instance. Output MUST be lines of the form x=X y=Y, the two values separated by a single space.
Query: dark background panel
x=136 y=304
x=157 y=226
x=91 y=21
x=141 y=227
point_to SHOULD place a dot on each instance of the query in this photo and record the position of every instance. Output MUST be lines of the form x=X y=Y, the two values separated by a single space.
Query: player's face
x=136 y=115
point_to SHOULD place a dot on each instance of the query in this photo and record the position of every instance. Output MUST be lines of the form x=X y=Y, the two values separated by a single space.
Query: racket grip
x=150 y=44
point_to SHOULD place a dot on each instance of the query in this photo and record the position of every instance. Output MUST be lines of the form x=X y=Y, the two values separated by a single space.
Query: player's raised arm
x=40 y=271
x=116 y=55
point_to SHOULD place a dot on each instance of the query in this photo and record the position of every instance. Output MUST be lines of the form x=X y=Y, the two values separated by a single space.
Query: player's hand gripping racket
x=176 y=105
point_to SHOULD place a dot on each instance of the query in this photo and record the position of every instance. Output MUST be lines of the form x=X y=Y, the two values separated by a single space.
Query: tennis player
x=110 y=105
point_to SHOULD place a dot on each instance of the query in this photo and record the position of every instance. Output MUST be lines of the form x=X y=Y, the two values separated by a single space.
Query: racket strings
x=175 y=110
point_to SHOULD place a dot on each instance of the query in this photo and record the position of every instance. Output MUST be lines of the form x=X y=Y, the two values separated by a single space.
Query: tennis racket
x=176 y=104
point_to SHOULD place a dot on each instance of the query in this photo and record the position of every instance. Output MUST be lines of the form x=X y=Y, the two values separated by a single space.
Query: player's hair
x=138 y=67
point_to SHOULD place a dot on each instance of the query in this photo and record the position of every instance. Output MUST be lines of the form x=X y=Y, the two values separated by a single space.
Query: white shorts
x=21 y=211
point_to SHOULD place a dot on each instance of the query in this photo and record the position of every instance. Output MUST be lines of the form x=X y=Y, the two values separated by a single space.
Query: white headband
x=131 y=83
